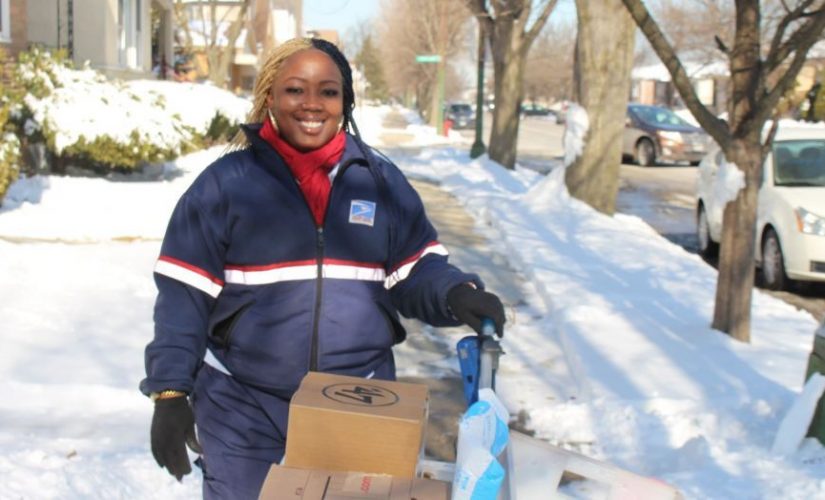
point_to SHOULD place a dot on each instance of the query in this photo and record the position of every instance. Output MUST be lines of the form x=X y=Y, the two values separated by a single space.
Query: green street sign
x=428 y=58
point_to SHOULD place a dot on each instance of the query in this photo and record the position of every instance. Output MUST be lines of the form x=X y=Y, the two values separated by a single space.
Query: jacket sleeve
x=189 y=277
x=420 y=274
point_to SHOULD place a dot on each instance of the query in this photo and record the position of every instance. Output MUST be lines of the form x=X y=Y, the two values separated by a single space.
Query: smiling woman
x=292 y=253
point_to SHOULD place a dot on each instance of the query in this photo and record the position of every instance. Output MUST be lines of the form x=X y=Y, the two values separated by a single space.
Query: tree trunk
x=604 y=59
x=504 y=133
x=734 y=287
x=511 y=36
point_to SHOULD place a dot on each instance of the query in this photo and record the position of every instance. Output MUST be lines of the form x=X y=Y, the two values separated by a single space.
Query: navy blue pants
x=242 y=431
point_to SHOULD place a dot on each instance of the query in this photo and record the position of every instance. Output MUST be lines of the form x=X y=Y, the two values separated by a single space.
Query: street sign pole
x=478 y=148
x=437 y=110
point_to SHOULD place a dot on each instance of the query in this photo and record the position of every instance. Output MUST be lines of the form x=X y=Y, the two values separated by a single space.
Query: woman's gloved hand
x=173 y=428
x=470 y=305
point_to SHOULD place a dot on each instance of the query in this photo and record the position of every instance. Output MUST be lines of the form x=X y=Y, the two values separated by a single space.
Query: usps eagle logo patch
x=362 y=212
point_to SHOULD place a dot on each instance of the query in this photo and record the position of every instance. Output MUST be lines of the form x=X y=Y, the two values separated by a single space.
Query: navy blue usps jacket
x=247 y=280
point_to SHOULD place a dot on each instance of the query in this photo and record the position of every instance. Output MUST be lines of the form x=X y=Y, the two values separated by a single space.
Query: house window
x=5 y=24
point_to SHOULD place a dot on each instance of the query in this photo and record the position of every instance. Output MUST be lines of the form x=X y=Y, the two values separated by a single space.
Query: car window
x=799 y=163
x=460 y=108
x=654 y=115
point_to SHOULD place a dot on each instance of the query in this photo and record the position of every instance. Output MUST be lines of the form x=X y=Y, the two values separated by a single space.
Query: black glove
x=173 y=428
x=471 y=306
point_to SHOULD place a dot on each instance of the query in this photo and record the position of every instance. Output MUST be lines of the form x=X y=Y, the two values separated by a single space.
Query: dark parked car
x=539 y=111
x=461 y=114
x=654 y=133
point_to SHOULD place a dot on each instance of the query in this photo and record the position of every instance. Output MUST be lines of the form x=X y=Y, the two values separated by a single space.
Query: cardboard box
x=285 y=483
x=340 y=423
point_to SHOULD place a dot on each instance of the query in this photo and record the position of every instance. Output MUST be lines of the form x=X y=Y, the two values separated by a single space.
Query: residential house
x=12 y=26
x=652 y=85
x=267 y=24
x=116 y=37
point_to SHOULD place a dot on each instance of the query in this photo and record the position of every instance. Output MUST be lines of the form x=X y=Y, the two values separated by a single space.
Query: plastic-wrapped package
x=482 y=436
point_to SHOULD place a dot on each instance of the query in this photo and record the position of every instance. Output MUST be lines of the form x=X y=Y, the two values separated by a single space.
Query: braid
x=341 y=61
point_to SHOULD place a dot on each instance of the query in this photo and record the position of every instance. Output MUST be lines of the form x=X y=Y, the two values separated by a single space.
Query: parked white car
x=790 y=225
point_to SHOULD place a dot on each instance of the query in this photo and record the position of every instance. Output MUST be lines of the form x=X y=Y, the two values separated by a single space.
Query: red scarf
x=310 y=169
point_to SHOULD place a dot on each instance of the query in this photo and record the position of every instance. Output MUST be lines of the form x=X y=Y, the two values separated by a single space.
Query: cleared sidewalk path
x=431 y=350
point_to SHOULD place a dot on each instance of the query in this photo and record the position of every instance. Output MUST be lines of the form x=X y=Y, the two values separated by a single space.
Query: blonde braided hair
x=263 y=85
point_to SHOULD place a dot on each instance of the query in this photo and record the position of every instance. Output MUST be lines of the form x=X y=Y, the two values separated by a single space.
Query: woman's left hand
x=471 y=306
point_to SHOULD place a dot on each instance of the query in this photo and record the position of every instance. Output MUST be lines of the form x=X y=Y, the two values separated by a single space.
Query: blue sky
x=338 y=14
x=344 y=14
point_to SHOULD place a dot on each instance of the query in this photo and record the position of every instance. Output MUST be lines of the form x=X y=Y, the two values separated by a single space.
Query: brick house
x=12 y=26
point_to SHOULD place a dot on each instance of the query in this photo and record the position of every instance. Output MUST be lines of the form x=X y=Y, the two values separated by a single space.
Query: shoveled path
x=435 y=347
x=469 y=251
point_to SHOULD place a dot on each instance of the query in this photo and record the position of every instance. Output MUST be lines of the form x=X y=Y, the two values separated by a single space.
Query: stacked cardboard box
x=350 y=437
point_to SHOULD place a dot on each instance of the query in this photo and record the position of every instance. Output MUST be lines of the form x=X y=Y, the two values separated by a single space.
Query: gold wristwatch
x=166 y=394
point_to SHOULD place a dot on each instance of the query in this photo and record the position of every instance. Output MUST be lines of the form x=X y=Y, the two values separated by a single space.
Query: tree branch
x=779 y=50
x=713 y=125
x=769 y=101
x=535 y=29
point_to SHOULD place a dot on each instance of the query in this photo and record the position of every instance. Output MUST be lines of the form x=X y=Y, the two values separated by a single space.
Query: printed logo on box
x=362 y=212
x=360 y=395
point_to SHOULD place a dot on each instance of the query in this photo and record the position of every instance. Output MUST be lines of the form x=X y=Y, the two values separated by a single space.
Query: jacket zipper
x=316 y=320
x=313 y=360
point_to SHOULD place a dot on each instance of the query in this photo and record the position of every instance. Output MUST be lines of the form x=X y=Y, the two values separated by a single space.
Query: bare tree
x=510 y=33
x=761 y=74
x=216 y=28
x=420 y=27
x=604 y=59
x=548 y=73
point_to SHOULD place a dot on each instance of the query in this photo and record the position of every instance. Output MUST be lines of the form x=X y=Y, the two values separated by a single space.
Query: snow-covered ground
x=654 y=389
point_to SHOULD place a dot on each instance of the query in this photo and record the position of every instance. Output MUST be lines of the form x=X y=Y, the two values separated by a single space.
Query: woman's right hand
x=173 y=428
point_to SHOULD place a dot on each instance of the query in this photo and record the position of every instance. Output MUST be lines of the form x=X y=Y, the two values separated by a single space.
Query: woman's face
x=307 y=99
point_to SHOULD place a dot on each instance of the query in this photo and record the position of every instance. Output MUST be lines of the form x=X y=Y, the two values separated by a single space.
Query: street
x=663 y=196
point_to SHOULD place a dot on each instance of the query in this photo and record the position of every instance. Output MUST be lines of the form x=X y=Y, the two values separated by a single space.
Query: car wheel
x=773 y=262
x=707 y=247
x=645 y=153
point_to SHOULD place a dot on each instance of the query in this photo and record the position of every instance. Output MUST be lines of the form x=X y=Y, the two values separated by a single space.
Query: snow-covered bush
x=87 y=120
x=9 y=147
x=9 y=161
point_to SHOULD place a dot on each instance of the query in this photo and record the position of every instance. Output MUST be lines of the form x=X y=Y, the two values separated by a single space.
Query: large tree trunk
x=734 y=287
x=509 y=71
x=604 y=59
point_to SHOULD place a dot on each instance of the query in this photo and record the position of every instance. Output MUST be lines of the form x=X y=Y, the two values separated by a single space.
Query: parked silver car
x=654 y=133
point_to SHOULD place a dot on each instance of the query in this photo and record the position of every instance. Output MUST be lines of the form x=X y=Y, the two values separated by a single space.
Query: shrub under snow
x=92 y=121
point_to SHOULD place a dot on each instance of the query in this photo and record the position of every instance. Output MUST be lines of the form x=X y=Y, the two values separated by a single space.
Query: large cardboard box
x=343 y=423
x=286 y=483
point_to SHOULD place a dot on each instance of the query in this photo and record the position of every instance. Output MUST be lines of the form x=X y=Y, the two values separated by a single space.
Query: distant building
x=114 y=36
x=13 y=15
x=267 y=24
x=652 y=85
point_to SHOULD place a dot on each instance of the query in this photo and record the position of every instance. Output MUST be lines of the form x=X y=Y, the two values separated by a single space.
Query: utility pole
x=442 y=65
x=478 y=147
x=58 y=24
x=70 y=28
